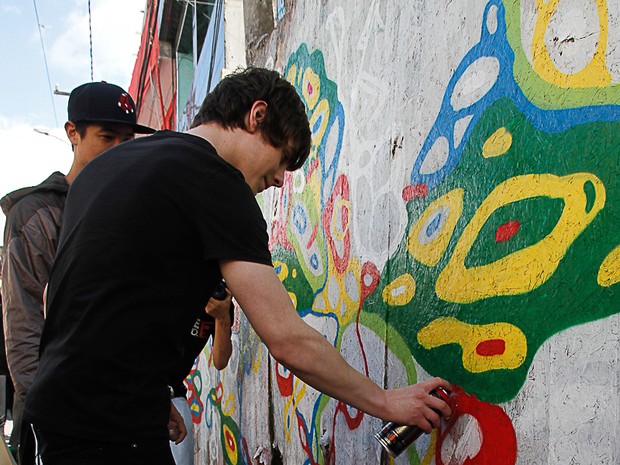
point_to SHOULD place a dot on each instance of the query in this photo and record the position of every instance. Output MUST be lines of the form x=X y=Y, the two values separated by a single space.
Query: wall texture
x=459 y=216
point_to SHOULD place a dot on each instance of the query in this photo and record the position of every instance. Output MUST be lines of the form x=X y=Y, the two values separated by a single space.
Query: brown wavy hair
x=285 y=125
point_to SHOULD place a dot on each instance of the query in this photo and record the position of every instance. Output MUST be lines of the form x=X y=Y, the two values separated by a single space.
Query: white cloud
x=10 y=9
x=28 y=157
x=116 y=27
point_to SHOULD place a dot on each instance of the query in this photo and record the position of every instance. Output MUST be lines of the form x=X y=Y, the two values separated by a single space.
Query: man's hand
x=219 y=309
x=412 y=405
x=176 y=426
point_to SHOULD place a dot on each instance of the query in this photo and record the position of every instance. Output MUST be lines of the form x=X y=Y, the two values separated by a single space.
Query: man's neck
x=223 y=140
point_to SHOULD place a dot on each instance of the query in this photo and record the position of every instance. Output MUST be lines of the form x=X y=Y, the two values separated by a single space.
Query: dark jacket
x=32 y=230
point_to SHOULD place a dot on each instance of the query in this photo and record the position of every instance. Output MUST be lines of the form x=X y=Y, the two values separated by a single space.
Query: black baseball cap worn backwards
x=106 y=103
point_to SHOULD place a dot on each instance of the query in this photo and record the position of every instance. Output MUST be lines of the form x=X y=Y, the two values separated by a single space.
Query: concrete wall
x=459 y=216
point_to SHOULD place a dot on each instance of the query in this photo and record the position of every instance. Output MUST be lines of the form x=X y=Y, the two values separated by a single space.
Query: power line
x=49 y=81
x=90 y=32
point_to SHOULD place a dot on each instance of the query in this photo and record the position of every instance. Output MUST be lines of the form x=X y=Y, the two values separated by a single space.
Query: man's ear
x=256 y=116
x=72 y=133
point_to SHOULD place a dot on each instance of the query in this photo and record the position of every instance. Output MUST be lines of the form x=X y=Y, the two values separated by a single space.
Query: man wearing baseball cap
x=101 y=115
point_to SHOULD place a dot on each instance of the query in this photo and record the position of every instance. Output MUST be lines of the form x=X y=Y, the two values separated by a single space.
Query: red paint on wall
x=194 y=388
x=414 y=192
x=498 y=439
x=285 y=383
x=312 y=236
x=507 y=231
x=339 y=254
x=369 y=279
x=302 y=430
x=278 y=227
x=230 y=440
x=314 y=164
x=491 y=347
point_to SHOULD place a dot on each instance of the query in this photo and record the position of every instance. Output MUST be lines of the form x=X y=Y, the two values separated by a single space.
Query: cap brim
x=139 y=129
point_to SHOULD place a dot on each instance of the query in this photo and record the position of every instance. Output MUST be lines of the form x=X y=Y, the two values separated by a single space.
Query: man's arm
x=222 y=345
x=25 y=271
x=305 y=352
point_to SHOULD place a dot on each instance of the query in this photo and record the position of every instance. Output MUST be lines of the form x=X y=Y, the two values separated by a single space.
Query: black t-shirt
x=195 y=341
x=143 y=229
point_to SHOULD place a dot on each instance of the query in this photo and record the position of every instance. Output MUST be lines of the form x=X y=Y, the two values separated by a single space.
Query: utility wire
x=90 y=32
x=49 y=81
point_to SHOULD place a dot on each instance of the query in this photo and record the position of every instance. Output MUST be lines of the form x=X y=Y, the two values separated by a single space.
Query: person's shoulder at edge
x=35 y=197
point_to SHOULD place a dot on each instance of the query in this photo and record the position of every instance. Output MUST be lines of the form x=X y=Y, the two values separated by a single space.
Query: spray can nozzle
x=220 y=291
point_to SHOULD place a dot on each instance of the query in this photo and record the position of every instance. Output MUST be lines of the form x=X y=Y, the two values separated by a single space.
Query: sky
x=33 y=143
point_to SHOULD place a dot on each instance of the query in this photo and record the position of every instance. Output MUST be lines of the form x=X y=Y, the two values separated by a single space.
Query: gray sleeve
x=25 y=271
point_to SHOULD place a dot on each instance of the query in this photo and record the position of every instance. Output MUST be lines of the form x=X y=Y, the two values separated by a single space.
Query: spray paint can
x=220 y=291
x=396 y=438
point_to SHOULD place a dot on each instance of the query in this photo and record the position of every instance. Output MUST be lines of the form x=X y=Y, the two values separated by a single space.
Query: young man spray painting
x=150 y=229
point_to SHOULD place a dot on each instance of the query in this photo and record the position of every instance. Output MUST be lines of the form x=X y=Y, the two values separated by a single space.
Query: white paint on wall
x=234 y=36
x=568 y=410
x=476 y=81
x=573 y=35
x=459 y=129
x=528 y=25
x=574 y=19
x=492 y=19
x=613 y=50
x=463 y=442
x=437 y=156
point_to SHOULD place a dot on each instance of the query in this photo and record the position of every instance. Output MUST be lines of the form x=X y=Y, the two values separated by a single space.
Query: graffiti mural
x=512 y=206
x=533 y=233
x=311 y=241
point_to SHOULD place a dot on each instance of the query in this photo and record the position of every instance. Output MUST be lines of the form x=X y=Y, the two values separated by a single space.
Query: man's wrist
x=378 y=402
x=224 y=320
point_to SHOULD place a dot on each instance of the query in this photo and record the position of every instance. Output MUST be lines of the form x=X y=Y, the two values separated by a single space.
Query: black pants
x=57 y=449
x=26 y=450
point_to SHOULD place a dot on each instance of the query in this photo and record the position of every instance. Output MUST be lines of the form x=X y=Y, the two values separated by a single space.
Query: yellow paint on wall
x=595 y=74
x=342 y=206
x=292 y=74
x=348 y=300
x=497 y=144
x=231 y=449
x=256 y=343
x=609 y=272
x=311 y=82
x=526 y=269
x=228 y=405
x=293 y=298
x=429 y=253
x=430 y=452
x=448 y=330
x=195 y=408
x=291 y=405
x=400 y=291
x=320 y=111
x=282 y=269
